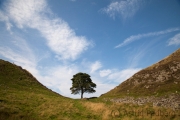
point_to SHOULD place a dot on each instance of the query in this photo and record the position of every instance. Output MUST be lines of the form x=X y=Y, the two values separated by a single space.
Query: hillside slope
x=159 y=79
x=23 y=97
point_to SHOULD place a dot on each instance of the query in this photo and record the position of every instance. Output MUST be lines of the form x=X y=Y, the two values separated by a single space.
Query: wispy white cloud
x=37 y=15
x=20 y=54
x=174 y=40
x=104 y=73
x=17 y=58
x=122 y=75
x=117 y=75
x=95 y=66
x=126 y=8
x=140 y=36
x=61 y=39
x=58 y=78
x=55 y=77
x=5 y=19
x=135 y=58
x=103 y=86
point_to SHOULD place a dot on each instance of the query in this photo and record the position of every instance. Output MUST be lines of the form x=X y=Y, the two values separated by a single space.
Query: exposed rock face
x=162 y=75
x=160 y=78
x=171 y=101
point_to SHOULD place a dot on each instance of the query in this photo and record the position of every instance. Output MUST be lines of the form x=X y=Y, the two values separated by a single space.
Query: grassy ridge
x=145 y=83
x=22 y=97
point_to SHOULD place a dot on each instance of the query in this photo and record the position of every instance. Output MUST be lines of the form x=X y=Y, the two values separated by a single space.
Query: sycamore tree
x=82 y=83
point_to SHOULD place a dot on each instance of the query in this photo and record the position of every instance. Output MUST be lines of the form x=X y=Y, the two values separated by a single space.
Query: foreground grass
x=19 y=106
x=22 y=97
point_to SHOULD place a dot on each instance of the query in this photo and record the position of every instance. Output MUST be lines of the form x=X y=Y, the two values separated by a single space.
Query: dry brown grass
x=99 y=108
x=27 y=99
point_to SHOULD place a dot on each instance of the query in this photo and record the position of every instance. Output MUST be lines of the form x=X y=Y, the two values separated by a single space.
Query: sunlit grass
x=22 y=97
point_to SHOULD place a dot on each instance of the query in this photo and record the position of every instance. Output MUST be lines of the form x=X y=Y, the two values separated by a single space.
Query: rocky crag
x=158 y=84
x=170 y=101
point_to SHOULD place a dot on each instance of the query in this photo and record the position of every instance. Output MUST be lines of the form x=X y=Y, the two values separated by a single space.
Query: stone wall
x=171 y=101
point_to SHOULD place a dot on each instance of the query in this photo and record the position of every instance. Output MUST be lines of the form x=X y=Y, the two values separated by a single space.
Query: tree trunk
x=82 y=93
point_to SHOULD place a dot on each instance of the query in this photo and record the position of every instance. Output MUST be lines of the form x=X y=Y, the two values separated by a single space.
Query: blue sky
x=108 y=39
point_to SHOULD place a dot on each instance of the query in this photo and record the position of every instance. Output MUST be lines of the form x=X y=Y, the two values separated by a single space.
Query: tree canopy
x=82 y=83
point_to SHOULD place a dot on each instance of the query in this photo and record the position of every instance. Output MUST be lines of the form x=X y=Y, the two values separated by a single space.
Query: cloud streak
x=140 y=36
x=174 y=40
x=5 y=19
x=20 y=54
x=104 y=73
x=60 y=38
x=95 y=66
x=125 y=8
x=37 y=15
x=58 y=77
x=120 y=76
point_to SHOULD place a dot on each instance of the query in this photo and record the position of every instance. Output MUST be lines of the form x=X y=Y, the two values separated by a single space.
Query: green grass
x=22 y=97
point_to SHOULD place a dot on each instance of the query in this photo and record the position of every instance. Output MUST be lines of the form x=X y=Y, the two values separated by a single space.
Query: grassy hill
x=159 y=79
x=22 y=97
